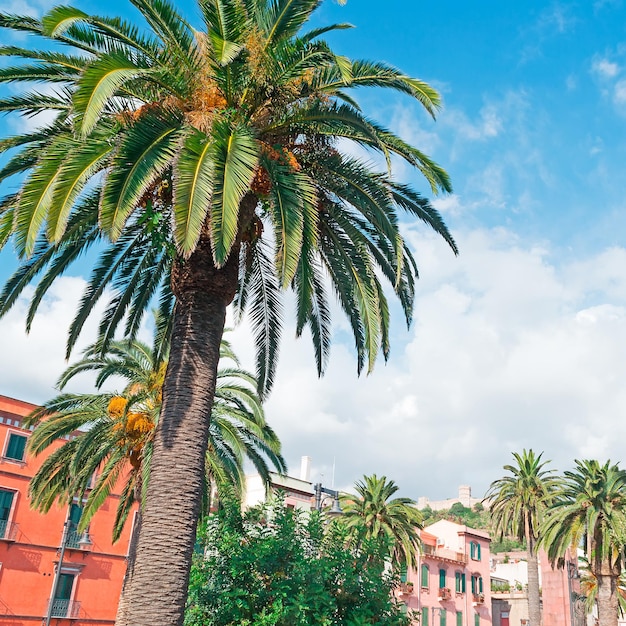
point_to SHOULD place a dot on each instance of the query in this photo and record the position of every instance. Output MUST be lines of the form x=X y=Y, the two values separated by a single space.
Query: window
x=476 y=619
x=403 y=574
x=459 y=618
x=477 y=584
x=459 y=582
x=442 y=578
x=424 y=620
x=6 y=502
x=475 y=550
x=15 y=447
x=442 y=617
x=62 y=597
x=73 y=536
x=425 y=576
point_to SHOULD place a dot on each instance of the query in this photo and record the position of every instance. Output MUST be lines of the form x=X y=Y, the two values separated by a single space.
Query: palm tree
x=116 y=431
x=590 y=511
x=209 y=158
x=373 y=514
x=589 y=588
x=517 y=505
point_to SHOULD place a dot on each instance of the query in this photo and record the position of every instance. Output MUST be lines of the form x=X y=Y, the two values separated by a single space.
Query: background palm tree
x=374 y=514
x=183 y=146
x=589 y=587
x=517 y=505
x=118 y=430
x=113 y=432
x=590 y=511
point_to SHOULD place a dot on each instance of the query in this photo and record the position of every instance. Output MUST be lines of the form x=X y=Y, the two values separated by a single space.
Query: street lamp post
x=84 y=543
x=57 y=573
x=335 y=510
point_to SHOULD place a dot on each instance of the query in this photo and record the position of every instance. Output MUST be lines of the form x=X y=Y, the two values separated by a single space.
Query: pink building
x=451 y=586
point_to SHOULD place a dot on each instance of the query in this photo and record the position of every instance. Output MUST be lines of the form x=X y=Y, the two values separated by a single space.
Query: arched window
x=475 y=550
x=459 y=582
x=425 y=573
x=477 y=584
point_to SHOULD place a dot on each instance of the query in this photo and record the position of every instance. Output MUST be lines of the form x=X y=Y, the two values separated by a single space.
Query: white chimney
x=305 y=468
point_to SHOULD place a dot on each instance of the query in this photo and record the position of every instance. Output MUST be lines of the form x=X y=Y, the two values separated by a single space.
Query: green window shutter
x=476 y=619
x=459 y=618
x=472 y=550
x=473 y=584
x=442 y=617
x=76 y=513
x=442 y=578
x=16 y=447
x=424 y=620
x=425 y=576
x=463 y=583
x=457 y=582
x=403 y=574
x=478 y=552
x=480 y=584
x=6 y=501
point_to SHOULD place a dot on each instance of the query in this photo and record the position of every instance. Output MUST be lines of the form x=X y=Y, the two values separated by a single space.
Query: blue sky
x=521 y=341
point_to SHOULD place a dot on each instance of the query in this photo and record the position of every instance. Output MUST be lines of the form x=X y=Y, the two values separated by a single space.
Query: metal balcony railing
x=78 y=541
x=8 y=530
x=65 y=609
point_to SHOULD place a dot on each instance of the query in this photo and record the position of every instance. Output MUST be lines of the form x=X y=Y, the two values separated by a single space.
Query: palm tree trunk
x=534 y=599
x=607 y=600
x=158 y=588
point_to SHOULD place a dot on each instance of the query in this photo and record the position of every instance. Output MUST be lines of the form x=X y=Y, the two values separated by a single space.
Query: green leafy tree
x=374 y=514
x=280 y=567
x=212 y=158
x=518 y=503
x=590 y=511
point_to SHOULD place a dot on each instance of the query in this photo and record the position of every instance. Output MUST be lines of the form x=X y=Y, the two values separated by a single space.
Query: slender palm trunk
x=607 y=600
x=534 y=599
x=158 y=588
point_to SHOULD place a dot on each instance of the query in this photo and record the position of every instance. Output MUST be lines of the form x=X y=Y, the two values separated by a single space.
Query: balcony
x=406 y=589
x=444 y=554
x=65 y=609
x=478 y=598
x=8 y=530
x=444 y=594
x=78 y=541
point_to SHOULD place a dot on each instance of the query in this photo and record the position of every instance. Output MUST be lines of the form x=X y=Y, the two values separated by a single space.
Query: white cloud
x=605 y=68
x=508 y=350
x=449 y=205
x=619 y=93
x=487 y=126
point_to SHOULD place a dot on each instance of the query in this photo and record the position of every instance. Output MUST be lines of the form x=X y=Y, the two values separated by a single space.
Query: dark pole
x=318 y=496
x=57 y=573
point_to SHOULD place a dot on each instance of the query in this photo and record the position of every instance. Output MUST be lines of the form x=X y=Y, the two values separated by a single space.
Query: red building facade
x=33 y=589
